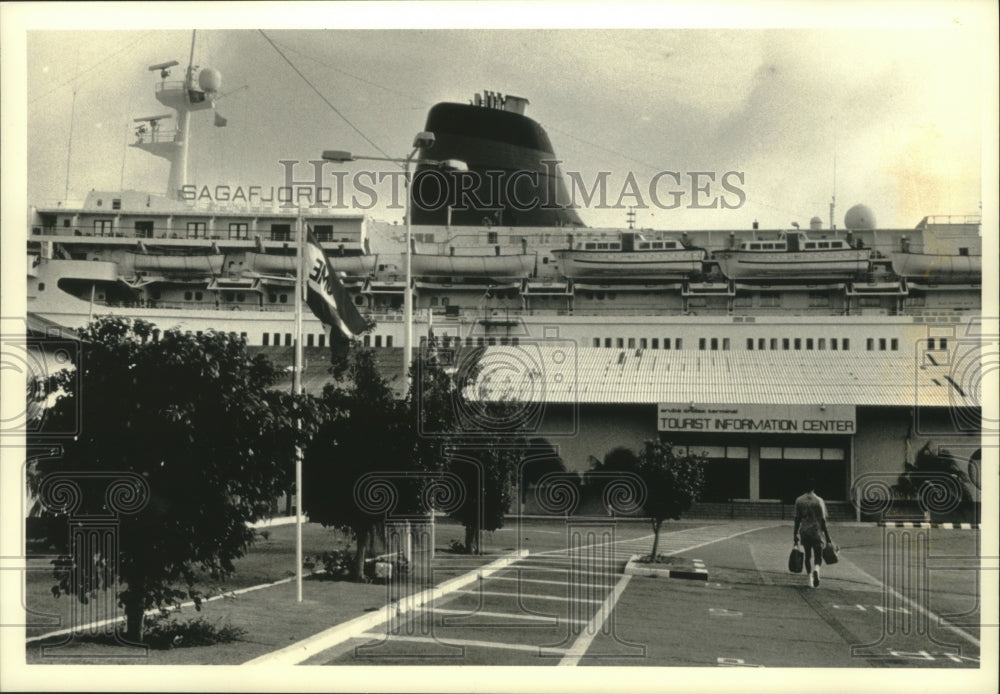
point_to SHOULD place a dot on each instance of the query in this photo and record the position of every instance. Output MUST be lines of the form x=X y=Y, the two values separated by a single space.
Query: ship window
x=197 y=296
x=283 y=298
x=480 y=342
x=644 y=246
x=102 y=227
x=504 y=341
x=607 y=342
x=492 y=341
x=240 y=296
x=359 y=301
x=725 y=344
x=196 y=230
x=785 y=343
x=239 y=230
x=590 y=246
x=545 y=260
x=492 y=237
x=871 y=344
x=655 y=343
x=701 y=343
x=41 y=286
x=943 y=343
x=895 y=344
x=272 y=298
x=187 y=296
x=66 y=224
x=754 y=246
x=642 y=343
x=833 y=343
x=774 y=343
x=881 y=344
x=669 y=244
x=809 y=343
x=666 y=343
x=658 y=245
x=620 y=342
x=309 y=340
x=116 y=203
x=810 y=246
x=281 y=232
x=771 y=300
x=614 y=246
x=824 y=244
x=143 y=230
x=798 y=343
x=678 y=342
x=819 y=300
x=323 y=232
x=715 y=343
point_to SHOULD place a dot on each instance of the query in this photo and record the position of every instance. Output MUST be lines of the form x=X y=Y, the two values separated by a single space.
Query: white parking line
x=538 y=580
x=579 y=648
x=533 y=596
x=553 y=621
x=468 y=643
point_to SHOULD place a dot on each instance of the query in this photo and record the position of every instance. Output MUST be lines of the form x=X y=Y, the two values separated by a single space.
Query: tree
x=673 y=482
x=194 y=417
x=470 y=434
x=366 y=431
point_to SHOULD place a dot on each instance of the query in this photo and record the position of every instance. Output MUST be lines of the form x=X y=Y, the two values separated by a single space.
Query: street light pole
x=423 y=140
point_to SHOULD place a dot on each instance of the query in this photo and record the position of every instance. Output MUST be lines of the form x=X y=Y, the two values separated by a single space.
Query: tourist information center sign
x=757 y=419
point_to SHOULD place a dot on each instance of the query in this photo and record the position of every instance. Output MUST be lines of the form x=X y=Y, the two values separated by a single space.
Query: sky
x=886 y=116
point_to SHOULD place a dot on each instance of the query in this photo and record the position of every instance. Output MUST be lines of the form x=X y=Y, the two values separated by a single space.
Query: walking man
x=810 y=527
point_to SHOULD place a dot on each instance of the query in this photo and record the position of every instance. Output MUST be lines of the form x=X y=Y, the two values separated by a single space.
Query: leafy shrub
x=336 y=564
x=165 y=633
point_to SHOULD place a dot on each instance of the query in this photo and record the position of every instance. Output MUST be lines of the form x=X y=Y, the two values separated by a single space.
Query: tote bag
x=795 y=560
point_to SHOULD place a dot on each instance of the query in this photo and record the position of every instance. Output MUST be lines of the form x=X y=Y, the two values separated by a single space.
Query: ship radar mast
x=198 y=91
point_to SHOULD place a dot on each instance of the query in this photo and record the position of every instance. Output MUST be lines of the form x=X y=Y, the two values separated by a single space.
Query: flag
x=328 y=298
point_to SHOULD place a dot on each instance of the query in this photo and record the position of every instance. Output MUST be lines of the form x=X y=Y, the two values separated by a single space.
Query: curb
x=308 y=647
x=636 y=568
x=940 y=526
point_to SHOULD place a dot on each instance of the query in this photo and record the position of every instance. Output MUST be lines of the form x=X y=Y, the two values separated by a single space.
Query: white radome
x=859 y=217
x=210 y=79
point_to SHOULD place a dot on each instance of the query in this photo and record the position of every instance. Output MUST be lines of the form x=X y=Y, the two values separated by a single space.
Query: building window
x=197 y=230
x=378 y=340
x=785 y=343
x=367 y=341
x=715 y=343
x=267 y=339
x=642 y=343
x=881 y=344
x=871 y=344
x=239 y=230
x=749 y=343
x=678 y=342
x=243 y=336
x=620 y=342
x=833 y=343
x=309 y=340
x=701 y=343
x=156 y=334
x=798 y=343
x=288 y=339
x=322 y=340
x=607 y=342
x=845 y=344
x=277 y=339
x=631 y=343
x=895 y=344
x=388 y=340
x=655 y=343
x=809 y=343
x=774 y=343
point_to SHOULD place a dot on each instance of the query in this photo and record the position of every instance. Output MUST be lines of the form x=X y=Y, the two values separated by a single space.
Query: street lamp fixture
x=423 y=140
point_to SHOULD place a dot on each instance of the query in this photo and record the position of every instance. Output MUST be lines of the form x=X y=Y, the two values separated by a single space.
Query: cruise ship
x=825 y=316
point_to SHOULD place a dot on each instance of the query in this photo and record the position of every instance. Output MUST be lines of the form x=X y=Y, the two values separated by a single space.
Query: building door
x=785 y=472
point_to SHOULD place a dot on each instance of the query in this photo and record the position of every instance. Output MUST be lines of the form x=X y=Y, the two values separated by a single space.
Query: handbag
x=795 y=560
x=830 y=553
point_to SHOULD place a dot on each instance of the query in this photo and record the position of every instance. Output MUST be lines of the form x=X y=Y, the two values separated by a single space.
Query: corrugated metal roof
x=562 y=373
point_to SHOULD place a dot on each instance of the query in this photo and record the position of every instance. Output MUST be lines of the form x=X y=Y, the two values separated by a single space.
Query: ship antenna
x=69 y=147
x=833 y=198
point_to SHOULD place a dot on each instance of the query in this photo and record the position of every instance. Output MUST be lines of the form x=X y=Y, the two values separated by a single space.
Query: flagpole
x=297 y=388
